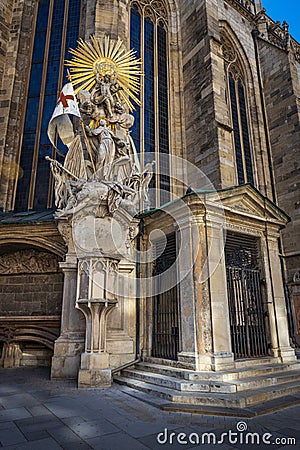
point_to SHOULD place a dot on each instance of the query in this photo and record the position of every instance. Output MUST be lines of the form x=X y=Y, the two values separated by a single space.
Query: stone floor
x=38 y=414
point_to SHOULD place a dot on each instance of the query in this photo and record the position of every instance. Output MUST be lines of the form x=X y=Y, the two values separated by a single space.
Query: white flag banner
x=60 y=120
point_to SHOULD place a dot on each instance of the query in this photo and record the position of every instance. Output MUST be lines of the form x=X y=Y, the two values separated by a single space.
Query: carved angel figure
x=104 y=91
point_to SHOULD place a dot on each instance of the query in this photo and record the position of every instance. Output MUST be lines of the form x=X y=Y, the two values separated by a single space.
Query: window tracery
x=149 y=37
x=236 y=86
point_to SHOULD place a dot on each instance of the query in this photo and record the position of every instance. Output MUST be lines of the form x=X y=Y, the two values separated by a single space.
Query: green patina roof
x=26 y=217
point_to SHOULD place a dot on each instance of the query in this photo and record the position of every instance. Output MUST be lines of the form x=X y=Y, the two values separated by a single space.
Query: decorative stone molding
x=28 y=261
x=245 y=7
x=277 y=34
x=96 y=278
x=296 y=277
x=156 y=9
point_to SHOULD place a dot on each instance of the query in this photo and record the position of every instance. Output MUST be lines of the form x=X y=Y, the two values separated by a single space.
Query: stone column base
x=90 y=378
x=94 y=372
x=287 y=354
x=66 y=358
x=207 y=362
x=188 y=360
x=222 y=361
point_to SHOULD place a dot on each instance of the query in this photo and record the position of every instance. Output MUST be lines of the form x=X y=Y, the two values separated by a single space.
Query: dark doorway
x=245 y=297
x=165 y=335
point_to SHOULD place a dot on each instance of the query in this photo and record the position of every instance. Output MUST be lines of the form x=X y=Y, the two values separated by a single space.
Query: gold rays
x=105 y=56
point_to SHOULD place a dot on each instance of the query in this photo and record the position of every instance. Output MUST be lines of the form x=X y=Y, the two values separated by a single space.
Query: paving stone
x=38 y=423
x=92 y=429
x=36 y=435
x=7 y=426
x=116 y=441
x=67 y=408
x=291 y=432
x=14 y=414
x=64 y=436
x=17 y=400
x=41 y=444
x=11 y=435
x=72 y=420
x=139 y=428
x=80 y=445
x=115 y=421
x=39 y=410
x=168 y=441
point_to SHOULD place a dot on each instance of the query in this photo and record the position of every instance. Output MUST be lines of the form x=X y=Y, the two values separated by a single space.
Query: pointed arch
x=239 y=79
x=158 y=43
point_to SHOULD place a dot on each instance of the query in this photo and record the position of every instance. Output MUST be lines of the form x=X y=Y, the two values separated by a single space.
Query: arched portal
x=31 y=286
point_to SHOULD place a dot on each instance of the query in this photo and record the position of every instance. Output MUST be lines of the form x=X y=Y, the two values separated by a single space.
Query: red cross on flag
x=60 y=121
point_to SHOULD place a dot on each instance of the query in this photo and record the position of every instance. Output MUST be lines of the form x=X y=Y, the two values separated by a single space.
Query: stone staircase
x=258 y=385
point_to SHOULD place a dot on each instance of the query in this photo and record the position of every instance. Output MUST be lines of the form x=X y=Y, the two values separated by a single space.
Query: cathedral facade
x=220 y=92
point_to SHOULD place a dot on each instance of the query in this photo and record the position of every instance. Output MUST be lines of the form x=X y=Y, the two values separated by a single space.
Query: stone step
x=163 y=370
x=239 y=364
x=267 y=380
x=227 y=376
x=170 y=395
x=227 y=400
x=249 y=362
x=167 y=362
x=254 y=396
x=266 y=407
x=245 y=372
x=242 y=384
x=179 y=384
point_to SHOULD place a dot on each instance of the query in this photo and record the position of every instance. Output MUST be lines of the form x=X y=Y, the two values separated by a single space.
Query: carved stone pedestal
x=96 y=276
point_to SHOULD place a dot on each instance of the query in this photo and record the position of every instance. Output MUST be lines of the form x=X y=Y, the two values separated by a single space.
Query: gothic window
x=56 y=29
x=149 y=37
x=239 y=113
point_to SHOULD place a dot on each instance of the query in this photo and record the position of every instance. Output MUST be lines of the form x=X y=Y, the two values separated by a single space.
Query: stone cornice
x=276 y=34
x=245 y=7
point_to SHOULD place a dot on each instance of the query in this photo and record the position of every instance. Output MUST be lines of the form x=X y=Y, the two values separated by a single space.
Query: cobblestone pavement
x=38 y=414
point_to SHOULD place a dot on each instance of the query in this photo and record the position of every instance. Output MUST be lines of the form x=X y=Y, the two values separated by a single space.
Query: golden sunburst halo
x=105 y=56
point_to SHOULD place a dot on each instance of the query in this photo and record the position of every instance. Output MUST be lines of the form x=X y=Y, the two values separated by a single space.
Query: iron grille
x=165 y=335
x=246 y=307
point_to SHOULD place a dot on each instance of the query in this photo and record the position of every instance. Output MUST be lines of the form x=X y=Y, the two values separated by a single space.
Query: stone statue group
x=101 y=168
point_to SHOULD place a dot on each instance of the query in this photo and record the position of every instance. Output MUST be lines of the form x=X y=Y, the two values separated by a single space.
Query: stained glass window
x=239 y=113
x=51 y=43
x=148 y=36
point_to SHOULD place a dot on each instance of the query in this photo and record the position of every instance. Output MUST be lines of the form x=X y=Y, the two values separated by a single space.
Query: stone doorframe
x=205 y=338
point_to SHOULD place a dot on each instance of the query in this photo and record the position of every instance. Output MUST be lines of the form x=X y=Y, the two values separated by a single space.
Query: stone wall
x=281 y=76
x=30 y=284
x=13 y=91
x=281 y=91
x=31 y=295
x=6 y=17
x=209 y=133
x=201 y=134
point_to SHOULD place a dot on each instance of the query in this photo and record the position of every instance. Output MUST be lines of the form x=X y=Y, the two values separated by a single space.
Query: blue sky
x=288 y=10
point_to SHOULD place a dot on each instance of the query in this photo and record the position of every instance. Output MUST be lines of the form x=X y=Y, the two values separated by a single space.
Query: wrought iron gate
x=165 y=334
x=247 y=315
